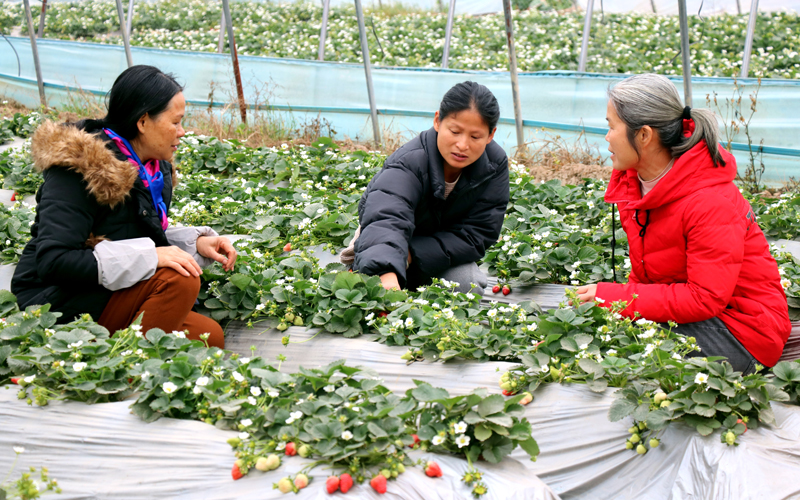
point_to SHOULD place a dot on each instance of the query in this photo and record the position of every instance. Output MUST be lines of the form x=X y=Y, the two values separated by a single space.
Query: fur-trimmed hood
x=109 y=179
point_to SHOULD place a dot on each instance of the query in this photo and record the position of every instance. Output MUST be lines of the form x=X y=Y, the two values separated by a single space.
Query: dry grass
x=9 y=106
x=570 y=161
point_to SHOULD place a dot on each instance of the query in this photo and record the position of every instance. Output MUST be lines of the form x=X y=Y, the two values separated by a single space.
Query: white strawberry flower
x=19 y=450
x=347 y=435
x=169 y=387
x=78 y=366
x=701 y=378
x=462 y=441
x=196 y=390
x=329 y=388
x=180 y=335
x=255 y=391
x=437 y=439
x=460 y=428
x=251 y=400
x=246 y=422
x=237 y=376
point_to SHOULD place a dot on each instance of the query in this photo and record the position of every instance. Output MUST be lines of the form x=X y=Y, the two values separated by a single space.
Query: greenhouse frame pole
x=129 y=24
x=512 y=59
x=125 y=38
x=587 y=28
x=35 y=51
x=40 y=34
x=653 y=5
x=748 y=42
x=221 y=42
x=226 y=10
x=448 y=33
x=687 y=68
x=373 y=110
x=323 y=30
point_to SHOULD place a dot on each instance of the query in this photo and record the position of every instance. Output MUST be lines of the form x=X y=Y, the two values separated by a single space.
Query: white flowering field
x=546 y=40
x=297 y=201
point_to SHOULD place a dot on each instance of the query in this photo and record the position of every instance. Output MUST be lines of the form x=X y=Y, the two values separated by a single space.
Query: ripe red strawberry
x=378 y=484
x=332 y=483
x=506 y=290
x=382 y=314
x=507 y=393
x=14 y=196
x=416 y=440
x=432 y=469
x=236 y=473
x=15 y=380
x=291 y=450
x=345 y=482
x=287 y=247
x=496 y=289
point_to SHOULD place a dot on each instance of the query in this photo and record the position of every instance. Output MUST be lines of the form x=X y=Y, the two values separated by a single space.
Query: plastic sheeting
x=564 y=103
x=103 y=451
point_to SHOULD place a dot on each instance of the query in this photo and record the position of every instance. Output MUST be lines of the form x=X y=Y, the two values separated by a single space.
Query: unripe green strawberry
x=289 y=317
x=261 y=464
x=642 y=425
x=628 y=445
x=401 y=468
x=298 y=321
x=284 y=485
x=654 y=443
x=635 y=438
x=665 y=403
x=234 y=442
x=273 y=461
x=659 y=397
x=555 y=374
x=282 y=326
x=633 y=430
x=504 y=376
x=386 y=473
x=394 y=474
x=301 y=481
x=730 y=438
x=641 y=450
x=304 y=451
x=527 y=399
x=506 y=386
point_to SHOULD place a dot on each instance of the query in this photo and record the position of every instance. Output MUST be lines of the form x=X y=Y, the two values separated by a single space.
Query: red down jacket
x=696 y=253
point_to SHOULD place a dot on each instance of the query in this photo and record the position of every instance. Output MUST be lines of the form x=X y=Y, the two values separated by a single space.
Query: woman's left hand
x=586 y=293
x=218 y=248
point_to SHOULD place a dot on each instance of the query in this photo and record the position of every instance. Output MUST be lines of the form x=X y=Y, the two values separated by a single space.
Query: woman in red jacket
x=698 y=257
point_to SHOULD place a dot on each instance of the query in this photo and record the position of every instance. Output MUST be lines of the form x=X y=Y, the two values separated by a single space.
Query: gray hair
x=653 y=100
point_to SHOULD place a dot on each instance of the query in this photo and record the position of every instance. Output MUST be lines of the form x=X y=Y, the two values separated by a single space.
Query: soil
x=571 y=174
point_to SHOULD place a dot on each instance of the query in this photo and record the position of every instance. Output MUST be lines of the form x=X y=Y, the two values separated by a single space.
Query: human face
x=462 y=138
x=623 y=155
x=160 y=136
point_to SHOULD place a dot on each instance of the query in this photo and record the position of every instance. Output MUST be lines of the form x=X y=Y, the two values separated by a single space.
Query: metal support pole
x=323 y=30
x=587 y=28
x=129 y=24
x=448 y=33
x=125 y=39
x=739 y=7
x=373 y=109
x=226 y=9
x=748 y=42
x=512 y=59
x=222 y=27
x=653 y=5
x=41 y=19
x=687 y=65
x=35 y=51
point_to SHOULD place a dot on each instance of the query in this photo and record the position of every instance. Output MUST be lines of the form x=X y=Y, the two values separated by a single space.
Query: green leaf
x=705 y=398
x=658 y=419
x=241 y=281
x=376 y=430
x=491 y=405
x=592 y=367
x=620 y=409
x=426 y=393
x=530 y=446
x=482 y=433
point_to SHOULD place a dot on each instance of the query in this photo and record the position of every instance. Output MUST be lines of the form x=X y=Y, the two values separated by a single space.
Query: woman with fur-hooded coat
x=100 y=242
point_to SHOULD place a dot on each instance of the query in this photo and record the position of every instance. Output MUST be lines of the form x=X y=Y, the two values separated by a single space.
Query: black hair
x=471 y=95
x=139 y=90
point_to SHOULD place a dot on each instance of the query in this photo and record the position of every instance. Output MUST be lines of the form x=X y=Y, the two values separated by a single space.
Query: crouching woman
x=698 y=257
x=439 y=201
x=100 y=243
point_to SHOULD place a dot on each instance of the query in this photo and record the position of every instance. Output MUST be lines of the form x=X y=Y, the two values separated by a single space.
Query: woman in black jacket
x=101 y=243
x=439 y=201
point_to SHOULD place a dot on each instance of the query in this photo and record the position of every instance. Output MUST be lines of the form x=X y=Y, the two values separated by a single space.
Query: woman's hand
x=586 y=293
x=175 y=258
x=389 y=281
x=218 y=248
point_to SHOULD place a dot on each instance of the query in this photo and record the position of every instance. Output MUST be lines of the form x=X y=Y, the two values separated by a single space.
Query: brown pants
x=166 y=300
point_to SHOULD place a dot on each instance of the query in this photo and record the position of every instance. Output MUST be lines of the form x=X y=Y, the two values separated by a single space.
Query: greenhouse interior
x=429 y=249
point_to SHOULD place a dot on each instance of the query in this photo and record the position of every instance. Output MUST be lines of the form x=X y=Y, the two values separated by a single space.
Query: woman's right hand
x=389 y=281
x=175 y=258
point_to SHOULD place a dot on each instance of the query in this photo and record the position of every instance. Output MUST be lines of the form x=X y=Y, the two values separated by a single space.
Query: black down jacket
x=90 y=191
x=404 y=209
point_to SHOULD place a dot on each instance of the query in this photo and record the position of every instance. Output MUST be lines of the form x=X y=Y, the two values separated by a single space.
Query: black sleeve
x=387 y=222
x=467 y=240
x=66 y=217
